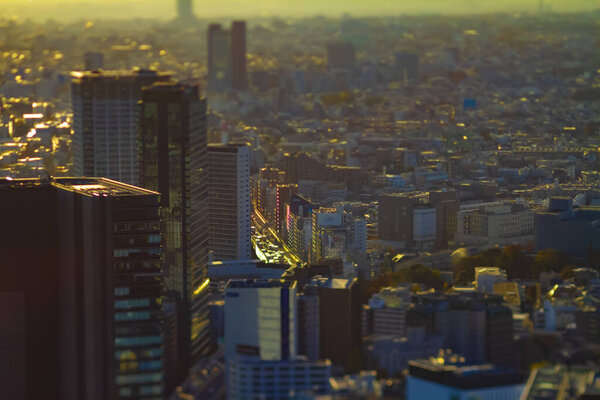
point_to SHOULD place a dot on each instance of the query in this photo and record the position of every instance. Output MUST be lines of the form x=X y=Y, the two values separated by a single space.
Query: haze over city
x=299 y=200
x=161 y=9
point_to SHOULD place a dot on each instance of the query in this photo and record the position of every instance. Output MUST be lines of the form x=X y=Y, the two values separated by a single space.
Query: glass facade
x=172 y=161
x=137 y=320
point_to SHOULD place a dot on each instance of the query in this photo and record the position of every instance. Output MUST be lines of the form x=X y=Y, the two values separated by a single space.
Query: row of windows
x=137 y=226
x=132 y=303
x=151 y=251
x=143 y=390
x=136 y=266
x=137 y=341
x=135 y=366
x=141 y=353
x=139 y=378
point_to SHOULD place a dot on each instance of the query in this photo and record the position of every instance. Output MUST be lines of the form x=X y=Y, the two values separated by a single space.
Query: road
x=263 y=228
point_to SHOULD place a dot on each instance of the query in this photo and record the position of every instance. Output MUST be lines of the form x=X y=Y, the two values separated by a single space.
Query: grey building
x=229 y=202
x=105 y=121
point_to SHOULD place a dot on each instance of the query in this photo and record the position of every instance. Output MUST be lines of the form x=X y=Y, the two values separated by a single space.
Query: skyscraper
x=185 y=10
x=219 y=57
x=238 y=55
x=105 y=121
x=172 y=161
x=229 y=201
x=81 y=312
x=227 y=57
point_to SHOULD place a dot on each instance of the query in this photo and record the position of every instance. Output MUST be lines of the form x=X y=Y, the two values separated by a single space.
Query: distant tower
x=238 y=55
x=227 y=57
x=185 y=10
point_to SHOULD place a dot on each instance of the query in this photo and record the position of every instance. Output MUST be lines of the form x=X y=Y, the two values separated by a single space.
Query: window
x=132 y=316
x=137 y=341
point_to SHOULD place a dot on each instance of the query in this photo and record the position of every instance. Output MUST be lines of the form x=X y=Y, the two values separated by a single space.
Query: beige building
x=497 y=224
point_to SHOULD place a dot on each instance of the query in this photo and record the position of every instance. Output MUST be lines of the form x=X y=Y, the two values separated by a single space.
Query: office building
x=105 y=122
x=239 y=78
x=476 y=326
x=299 y=223
x=385 y=313
x=82 y=313
x=227 y=57
x=564 y=227
x=339 y=320
x=448 y=378
x=229 y=202
x=447 y=206
x=219 y=57
x=424 y=226
x=329 y=237
x=392 y=352
x=587 y=322
x=396 y=218
x=489 y=225
x=309 y=338
x=172 y=161
x=261 y=345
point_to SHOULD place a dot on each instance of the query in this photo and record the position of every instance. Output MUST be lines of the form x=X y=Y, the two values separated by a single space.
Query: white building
x=386 y=312
x=229 y=206
x=489 y=225
x=261 y=345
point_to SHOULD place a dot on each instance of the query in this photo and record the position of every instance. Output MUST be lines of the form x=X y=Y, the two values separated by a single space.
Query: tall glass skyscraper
x=172 y=160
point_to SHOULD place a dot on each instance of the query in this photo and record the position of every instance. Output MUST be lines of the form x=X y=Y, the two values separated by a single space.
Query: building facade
x=229 y=206
x=105 y=122
x=495 y=225
x=227 y=57
x=261 y=343
x=94 y=284
x=172 y=138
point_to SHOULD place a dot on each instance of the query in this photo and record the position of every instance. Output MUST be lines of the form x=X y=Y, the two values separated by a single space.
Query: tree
x=550 y=260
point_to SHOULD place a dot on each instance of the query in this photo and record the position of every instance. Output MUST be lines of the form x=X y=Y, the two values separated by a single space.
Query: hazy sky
x=239 y=8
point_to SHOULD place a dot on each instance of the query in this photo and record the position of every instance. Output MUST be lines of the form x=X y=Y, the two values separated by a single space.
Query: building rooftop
x=85 y=186
x=123 y=73
x=257 y=283
x=452 y=371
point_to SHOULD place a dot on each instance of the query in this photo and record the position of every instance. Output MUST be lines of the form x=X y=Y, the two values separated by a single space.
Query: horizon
x=165 y=9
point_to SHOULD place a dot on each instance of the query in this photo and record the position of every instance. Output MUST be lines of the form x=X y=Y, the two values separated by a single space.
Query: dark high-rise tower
x=172 y=161
x=80 y=293
x=227 y=57
x=238 y=55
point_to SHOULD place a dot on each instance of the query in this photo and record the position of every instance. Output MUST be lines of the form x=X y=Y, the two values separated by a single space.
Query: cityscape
x=299 y=200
